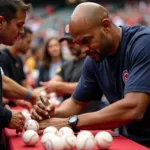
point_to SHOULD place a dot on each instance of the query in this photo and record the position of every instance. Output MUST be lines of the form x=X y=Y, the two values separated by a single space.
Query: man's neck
x=13 y=51
x=117 y=38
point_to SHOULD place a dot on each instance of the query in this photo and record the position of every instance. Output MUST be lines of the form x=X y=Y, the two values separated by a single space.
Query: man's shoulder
x=136 y=28
x=141 y=36
x=135 y=36
x=4 y=56
x=134 y=32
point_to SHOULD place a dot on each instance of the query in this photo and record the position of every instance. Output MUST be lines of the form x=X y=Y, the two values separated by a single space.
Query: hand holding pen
x=43 y=110
x=42 y=100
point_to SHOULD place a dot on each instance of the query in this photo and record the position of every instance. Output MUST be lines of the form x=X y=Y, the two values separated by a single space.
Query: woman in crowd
x=52 y=60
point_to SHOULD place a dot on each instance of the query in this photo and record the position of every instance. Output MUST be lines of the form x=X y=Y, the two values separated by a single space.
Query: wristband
x=28 y=96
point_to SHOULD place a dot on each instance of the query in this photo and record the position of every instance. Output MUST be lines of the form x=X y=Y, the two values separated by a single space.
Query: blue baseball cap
x=67 y=35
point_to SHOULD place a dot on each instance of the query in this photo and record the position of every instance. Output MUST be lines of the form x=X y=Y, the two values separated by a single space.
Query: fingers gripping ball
x=31 y=125
x=51 y=129
x=52 y=142
x=65 y=131
x=103 y=139
x=30 y=137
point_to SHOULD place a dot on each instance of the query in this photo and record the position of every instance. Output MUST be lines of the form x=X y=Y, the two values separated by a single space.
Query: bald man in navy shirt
x=118 y=65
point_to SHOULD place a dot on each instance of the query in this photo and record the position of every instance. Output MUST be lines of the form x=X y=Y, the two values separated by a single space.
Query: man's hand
x=24 y=104
x=17 y=121
x=44 y=83
x=56 y=122
x=37 y=91
x=34 y=98
x=50 y=86
x=41 y=111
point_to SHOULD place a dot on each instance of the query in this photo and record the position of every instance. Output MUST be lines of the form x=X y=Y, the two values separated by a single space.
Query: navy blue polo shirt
x=128 y=70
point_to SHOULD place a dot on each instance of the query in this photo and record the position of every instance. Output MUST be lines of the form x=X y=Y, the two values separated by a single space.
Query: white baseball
x=31 y=125
x=84 y=133
x=85 y=143
x=30 y=137
x=70 y=141
x=103 y=139
x=51 y=129
x=52 y=142
x=64 y=131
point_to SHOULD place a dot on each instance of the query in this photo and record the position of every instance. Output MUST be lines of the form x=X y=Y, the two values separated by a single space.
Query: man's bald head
x=89 y=10
x=87 y=14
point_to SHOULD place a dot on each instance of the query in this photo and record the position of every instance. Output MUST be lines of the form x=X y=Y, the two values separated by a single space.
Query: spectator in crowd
x=12 y=64
x=52 y=60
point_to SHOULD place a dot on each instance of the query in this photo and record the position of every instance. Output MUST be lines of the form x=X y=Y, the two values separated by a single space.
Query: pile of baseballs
x=64 y=139
x=30 y=136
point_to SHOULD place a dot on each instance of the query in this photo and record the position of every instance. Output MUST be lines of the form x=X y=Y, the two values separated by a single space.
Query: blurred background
x=48 y=18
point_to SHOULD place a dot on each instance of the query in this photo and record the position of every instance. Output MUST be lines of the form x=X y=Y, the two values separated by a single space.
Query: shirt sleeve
x=139 y=66
x=87 y=88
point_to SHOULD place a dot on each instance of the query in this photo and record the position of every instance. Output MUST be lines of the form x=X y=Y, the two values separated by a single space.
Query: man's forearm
x=110 y=117
x=68 y=108
x=13 y=90
x=66 y=87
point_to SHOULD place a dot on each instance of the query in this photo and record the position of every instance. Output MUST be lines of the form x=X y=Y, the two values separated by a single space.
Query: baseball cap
x=67 y=35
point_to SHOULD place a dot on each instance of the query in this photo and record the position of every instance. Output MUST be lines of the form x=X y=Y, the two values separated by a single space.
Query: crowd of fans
x=46 y=53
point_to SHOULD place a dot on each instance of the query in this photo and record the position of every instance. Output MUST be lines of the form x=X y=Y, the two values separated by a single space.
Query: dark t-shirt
x=128 y=70
x=71 y=72
x=12 y=67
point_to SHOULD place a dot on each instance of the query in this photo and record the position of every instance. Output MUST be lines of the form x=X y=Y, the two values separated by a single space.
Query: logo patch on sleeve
x=125 y=75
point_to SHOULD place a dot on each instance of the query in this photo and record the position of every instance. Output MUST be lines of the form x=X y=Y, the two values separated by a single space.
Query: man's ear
x=2 y=20
x=106 y=25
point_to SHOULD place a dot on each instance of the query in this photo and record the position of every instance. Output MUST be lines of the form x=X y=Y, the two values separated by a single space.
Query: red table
x=14 y=142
